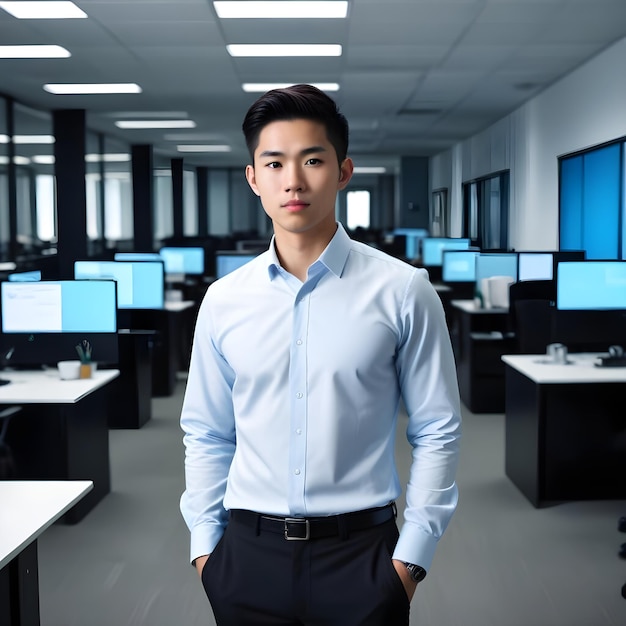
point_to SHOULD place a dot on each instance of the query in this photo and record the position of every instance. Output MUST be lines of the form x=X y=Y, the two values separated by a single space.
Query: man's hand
x=200 y=561
x=409 y=584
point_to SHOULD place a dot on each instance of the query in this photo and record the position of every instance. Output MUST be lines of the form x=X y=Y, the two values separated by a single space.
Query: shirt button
x=299 y=395
x=299 y=342
x=297 y=472
x=298 y=431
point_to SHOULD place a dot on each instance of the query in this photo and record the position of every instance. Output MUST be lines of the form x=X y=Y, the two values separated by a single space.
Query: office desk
x=61 y=433
x=28 y=509
x=479 y=339
x=565 y=428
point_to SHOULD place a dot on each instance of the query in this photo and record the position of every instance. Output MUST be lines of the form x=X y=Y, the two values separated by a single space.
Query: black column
x=12 y=188
x=177 y=198
x=69 y=170
x=143 y=198
x=202 y=194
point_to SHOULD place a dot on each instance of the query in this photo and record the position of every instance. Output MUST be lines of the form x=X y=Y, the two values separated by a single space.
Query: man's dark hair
x=292 y=103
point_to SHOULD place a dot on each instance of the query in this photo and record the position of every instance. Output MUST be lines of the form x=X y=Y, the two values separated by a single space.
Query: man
x=300 y=361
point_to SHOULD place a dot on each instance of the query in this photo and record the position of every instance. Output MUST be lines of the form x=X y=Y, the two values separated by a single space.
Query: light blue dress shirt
x=293 y=394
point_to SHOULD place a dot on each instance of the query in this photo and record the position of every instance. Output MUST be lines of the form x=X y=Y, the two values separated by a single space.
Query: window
x=358 y=209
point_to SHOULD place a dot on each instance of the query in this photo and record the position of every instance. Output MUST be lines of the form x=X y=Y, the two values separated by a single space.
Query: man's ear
x=345 y=173
x=251 y=178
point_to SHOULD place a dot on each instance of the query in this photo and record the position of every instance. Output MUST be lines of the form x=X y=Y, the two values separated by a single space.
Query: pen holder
x=85 y=370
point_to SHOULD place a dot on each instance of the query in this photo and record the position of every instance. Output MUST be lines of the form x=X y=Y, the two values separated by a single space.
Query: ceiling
x=416 y=76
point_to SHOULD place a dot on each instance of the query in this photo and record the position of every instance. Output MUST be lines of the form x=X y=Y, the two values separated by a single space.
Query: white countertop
x=46 y=386
x=469 y=307
x=580 y=369
x=28 y=507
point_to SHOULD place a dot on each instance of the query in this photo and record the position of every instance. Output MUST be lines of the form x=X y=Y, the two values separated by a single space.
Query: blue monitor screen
x=496 y=264
x=591 y=285
x=59 y=307
x=226 y=262
x=459 y=266
x=140 y=284
x=137 y=256
x=433 y=247
x=535 y=266
x=24 y=277
x=414 y=236
x=183 y=260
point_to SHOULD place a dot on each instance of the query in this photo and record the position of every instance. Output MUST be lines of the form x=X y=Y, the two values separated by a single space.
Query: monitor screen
x=183 y=260
x=228 y=260
x=140 y=284
x=490 y=264
x=137 y=256
x=535 y=266
x=413 y=239
x=459 y=266
x=42 y=322
x=23 y=277
x=591 y=285
x=433 y=247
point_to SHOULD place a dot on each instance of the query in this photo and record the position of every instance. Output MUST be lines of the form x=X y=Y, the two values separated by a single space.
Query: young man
x=299 y=364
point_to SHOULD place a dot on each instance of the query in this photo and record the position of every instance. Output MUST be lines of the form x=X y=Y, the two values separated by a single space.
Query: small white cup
x=69 y=370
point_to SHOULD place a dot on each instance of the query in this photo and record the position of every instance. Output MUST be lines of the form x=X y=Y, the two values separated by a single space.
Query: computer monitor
x=459 y=266
x=137 y=256
x=490 y=264
x=140 y=284
x=42 y=322
x=413 y=239
x=433 y=247
x=591 y=285
x=23 y=277
x=227 y=261
x=183 y=260
x=535 y=266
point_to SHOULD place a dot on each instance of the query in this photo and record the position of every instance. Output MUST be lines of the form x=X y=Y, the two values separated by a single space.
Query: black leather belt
x=305 y=528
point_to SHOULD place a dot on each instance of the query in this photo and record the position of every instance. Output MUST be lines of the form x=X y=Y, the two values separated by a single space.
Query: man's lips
x=295 y=205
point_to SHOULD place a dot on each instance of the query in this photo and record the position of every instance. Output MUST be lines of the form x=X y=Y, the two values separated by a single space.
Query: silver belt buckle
x=297 y=522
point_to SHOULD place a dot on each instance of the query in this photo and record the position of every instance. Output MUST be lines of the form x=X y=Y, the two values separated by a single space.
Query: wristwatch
x=417 y=572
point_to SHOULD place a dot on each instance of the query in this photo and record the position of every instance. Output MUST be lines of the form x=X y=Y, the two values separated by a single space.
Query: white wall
x=586 y=108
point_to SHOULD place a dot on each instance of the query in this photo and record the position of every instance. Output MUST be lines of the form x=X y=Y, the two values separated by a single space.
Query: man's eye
x=313 y=161
x=273 y=164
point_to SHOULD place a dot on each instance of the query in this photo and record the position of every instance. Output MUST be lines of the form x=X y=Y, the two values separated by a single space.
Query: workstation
x=532 y=172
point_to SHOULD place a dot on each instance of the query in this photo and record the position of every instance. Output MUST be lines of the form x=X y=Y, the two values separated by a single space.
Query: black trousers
x=254 y=579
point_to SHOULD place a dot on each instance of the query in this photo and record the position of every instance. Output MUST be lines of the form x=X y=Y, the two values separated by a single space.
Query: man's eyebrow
x=305 y=152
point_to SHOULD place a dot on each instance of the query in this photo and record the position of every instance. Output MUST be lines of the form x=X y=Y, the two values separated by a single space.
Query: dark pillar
x=414 y=193
x=202 y=193
x=69 y=170
x=177 y=198
x=13 y=247
x=143 y=198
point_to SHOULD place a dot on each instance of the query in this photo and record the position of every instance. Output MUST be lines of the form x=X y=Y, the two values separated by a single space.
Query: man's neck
x=297 y=252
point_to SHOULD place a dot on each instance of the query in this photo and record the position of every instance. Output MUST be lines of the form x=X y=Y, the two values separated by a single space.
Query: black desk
x=479 y=338
x=61 y=433
x=565 y=428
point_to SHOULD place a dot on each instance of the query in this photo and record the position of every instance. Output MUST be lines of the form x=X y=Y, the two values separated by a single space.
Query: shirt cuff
x=415 y=546
x=204 y=539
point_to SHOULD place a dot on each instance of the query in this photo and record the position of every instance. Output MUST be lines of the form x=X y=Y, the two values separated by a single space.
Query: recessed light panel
x=91 y=88
x=284 y=50
x=263 y=87
x=34 y=52
x=277 y=10
x=43 y=10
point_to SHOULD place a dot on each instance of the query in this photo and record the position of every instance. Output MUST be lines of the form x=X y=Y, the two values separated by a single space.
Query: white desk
x=27 y=509
x=62 y=431
x=565 y=428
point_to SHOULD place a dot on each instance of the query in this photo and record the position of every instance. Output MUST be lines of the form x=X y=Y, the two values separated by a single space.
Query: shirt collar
x=334 y=257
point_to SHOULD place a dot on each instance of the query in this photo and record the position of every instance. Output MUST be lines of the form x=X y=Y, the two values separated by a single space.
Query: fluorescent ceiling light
x=193 y=137
x=369 y=170
x=107 y=158
x=263 y=87
x=91 y=88
x=34 y=52
x=284 y=50
x=203 y=148
x=43 y=159
x=298 y=9
x=18 y=160
x=28 y=139
x=134 y=124
x=43 y=10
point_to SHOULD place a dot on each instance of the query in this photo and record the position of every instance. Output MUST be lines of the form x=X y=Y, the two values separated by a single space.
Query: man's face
x=297 y=176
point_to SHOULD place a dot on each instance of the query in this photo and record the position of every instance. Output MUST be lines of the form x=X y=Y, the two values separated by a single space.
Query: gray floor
x=501 y=563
